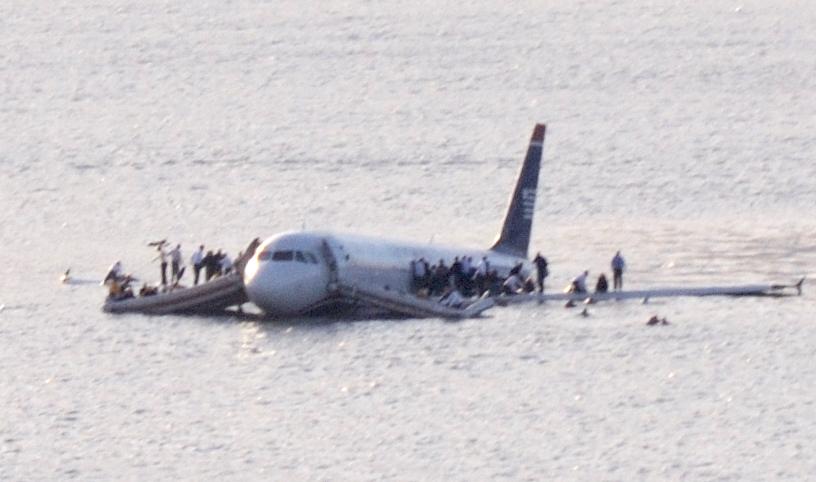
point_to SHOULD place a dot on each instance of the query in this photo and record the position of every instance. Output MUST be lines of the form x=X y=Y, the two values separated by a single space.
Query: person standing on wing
x=618 y=265
x=541 y=267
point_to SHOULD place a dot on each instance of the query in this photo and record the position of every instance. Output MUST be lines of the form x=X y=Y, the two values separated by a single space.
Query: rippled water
x=679 y=133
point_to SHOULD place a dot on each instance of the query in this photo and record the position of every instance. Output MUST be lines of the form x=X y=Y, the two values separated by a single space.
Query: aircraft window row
x=287 y=255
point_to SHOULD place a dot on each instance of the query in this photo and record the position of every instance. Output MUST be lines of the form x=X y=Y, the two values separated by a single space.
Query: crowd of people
x=462 y=279
x=463 y=276
x=210 y=265
x=579 y=283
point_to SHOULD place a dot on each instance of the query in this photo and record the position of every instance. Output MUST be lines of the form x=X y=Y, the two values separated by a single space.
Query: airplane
x=324 y=273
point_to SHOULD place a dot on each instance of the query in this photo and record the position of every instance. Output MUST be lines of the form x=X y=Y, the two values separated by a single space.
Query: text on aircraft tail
x=514 y=238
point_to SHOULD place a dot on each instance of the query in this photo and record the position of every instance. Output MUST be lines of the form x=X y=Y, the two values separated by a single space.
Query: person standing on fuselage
x=543 y=272
x=618 y=265
x=196 y=260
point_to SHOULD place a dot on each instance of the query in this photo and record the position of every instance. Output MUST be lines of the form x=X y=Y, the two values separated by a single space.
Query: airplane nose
x=285 y=282
x=250 y=271
x=258 y=282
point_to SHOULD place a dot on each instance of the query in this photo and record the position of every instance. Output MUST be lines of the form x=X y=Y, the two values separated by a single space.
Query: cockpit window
x=299 y=256
x=282 y=256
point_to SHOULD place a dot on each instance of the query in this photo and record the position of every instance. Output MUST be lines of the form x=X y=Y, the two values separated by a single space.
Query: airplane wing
x=774 y=290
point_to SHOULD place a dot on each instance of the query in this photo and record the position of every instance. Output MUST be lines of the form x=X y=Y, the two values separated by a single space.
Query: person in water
x=654 y=320
x=602 y=286
x=618 y=265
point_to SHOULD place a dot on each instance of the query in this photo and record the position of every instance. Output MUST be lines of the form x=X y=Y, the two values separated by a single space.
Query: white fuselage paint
x=288 y=287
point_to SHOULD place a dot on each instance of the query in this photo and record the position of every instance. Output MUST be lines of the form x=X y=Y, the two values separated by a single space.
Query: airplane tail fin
x=518 y=222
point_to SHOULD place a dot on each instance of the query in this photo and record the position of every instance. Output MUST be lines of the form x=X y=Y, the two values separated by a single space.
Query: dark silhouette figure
x=543 y=271
x=618 y=265
x=208 y=262
x=456 y=272
x=602 y=286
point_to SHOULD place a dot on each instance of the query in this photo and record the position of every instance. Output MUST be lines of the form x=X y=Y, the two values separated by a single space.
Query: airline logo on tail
x=518 y=222
x=528 y=199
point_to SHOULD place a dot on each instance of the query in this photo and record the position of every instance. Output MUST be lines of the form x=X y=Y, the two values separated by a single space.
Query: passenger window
x=282 y=256
x=311 y=257
x=299 y=256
